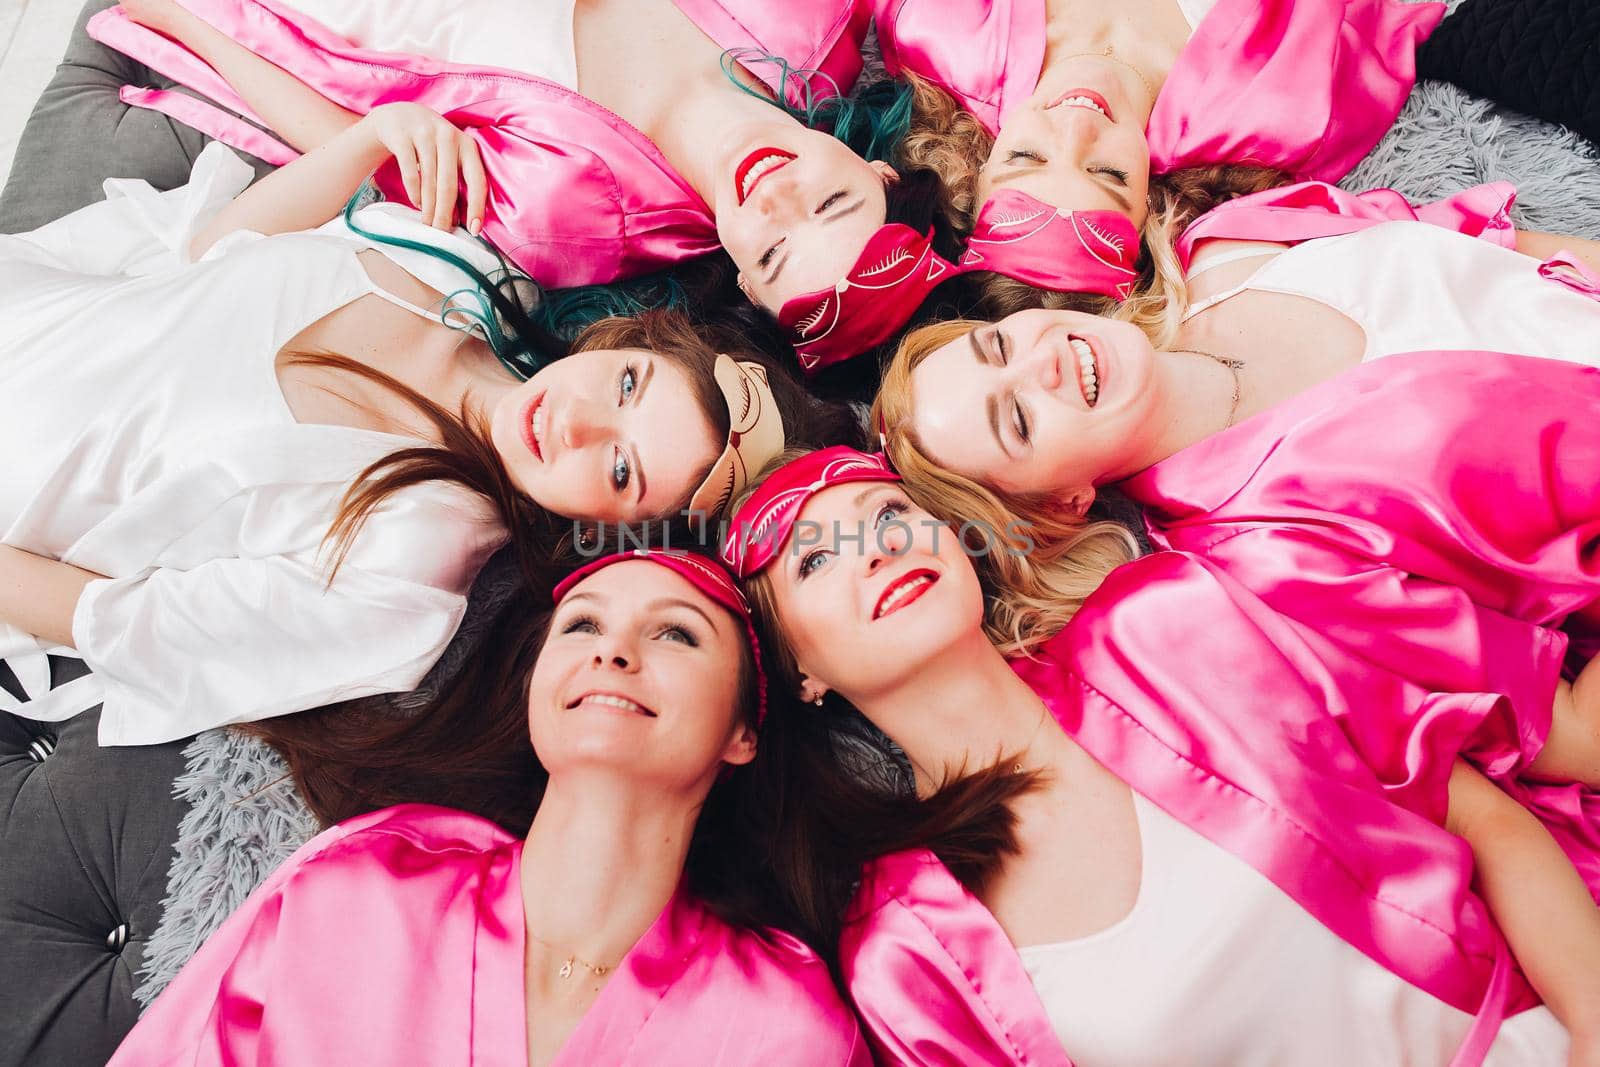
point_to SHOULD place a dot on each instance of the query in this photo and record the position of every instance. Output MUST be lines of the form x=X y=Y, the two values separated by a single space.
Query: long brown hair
x=467 y=747
x=464 y=454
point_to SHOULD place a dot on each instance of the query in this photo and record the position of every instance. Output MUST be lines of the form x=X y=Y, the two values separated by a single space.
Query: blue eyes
x=814 y=559
x=620 y=472
x=674 y=632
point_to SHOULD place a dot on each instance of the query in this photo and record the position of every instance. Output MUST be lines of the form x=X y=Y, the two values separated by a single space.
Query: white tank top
x=1195 y=10
x=1216 y=966
x=1415 y=287
x=527 y=36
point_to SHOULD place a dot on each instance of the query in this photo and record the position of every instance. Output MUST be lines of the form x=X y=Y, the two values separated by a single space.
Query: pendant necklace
x=599 y=970
x=1234 y=366
x=1044 y=711
x=1108 y=53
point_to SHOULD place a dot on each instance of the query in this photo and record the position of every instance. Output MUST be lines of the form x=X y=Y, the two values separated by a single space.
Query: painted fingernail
x=474 y=226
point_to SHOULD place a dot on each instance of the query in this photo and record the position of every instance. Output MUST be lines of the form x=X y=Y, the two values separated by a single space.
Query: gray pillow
x=81 y=133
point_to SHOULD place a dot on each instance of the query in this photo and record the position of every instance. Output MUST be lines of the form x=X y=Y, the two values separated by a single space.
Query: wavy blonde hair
x=1033 y=592
x=946 y=138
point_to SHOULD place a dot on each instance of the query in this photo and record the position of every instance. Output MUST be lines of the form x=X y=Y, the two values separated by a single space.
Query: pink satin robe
x=1307 y=88
x=1208 y=703
x=1305 y=211
x=397 y=938
x=576 y=195
x=1434 y=515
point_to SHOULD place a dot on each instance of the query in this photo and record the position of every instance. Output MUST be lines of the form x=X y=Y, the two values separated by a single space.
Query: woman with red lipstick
x=1406 y=475
x=225 y=476
x=597 y=903
x=594 y=143
x=1153 y=835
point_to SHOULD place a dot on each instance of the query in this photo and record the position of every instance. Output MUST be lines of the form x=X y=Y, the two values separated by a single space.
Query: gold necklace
x=1108 y=53
x=1234 y=366
x=599 y=970
x=1044 y=711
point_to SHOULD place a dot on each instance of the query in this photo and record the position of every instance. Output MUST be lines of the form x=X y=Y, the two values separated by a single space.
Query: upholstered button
x=41 y=747
x=117 y=938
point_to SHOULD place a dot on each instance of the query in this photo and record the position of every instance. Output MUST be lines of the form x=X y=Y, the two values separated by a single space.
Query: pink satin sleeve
x=1307 y=210
x=1307 y=88
x=1220 y=711
x=321 y=964
x=934 y=979
x=1478 y=683
x=575 y=195
x=985 y=53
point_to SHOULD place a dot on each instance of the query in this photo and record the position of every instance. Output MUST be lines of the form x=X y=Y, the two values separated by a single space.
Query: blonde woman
x=1155 y=820
x=1389 y=465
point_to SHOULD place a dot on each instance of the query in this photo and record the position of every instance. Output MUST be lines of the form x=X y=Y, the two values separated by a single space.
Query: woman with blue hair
x=596 y=143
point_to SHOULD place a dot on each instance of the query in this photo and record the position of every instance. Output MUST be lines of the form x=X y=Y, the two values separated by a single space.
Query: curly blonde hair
x=946 y=138
x=1033 y=585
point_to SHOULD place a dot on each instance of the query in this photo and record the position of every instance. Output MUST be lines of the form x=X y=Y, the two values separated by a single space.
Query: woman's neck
x=693 y=133
x=599 y=865
x=1195 y=397
x=958 y=714
x=1147 y=35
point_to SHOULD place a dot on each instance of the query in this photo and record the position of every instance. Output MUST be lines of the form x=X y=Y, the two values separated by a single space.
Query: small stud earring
x=817 y=700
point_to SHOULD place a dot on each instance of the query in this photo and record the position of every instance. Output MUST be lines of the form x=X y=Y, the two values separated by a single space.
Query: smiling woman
x=614 y=179
x=1076 y=110
x=601 y=900
x=1007 y=905
x=348 y=481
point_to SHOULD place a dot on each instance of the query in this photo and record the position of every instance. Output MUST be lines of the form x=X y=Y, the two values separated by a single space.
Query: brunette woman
x=1158 y=834
x=180 y=438
x=613 y=138
x=598 y=915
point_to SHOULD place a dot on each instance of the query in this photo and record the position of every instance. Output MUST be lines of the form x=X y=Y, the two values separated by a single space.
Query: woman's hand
x=431 y=152
x=163 y=16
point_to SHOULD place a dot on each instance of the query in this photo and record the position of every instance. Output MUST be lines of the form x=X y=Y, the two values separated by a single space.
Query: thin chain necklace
x=1234 y=366
x=1044 y=711
x=1108 y=53
x=599 y=970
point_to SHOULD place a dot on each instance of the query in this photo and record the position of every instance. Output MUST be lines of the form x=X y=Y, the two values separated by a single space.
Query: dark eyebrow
x=836 y=216
x=1006 y=175
x=992 y=407
x=679 y=602
x=1116 y=194
x=638 y=398
x=1104 y=180
x=778 y=269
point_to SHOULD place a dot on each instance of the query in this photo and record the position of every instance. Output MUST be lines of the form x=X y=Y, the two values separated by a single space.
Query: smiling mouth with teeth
x=533 y=429
x=1086 y=99
x=1084 y=102
x=903 y=591
x=612 y=700
x=756 y=166
x=1088 y=372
